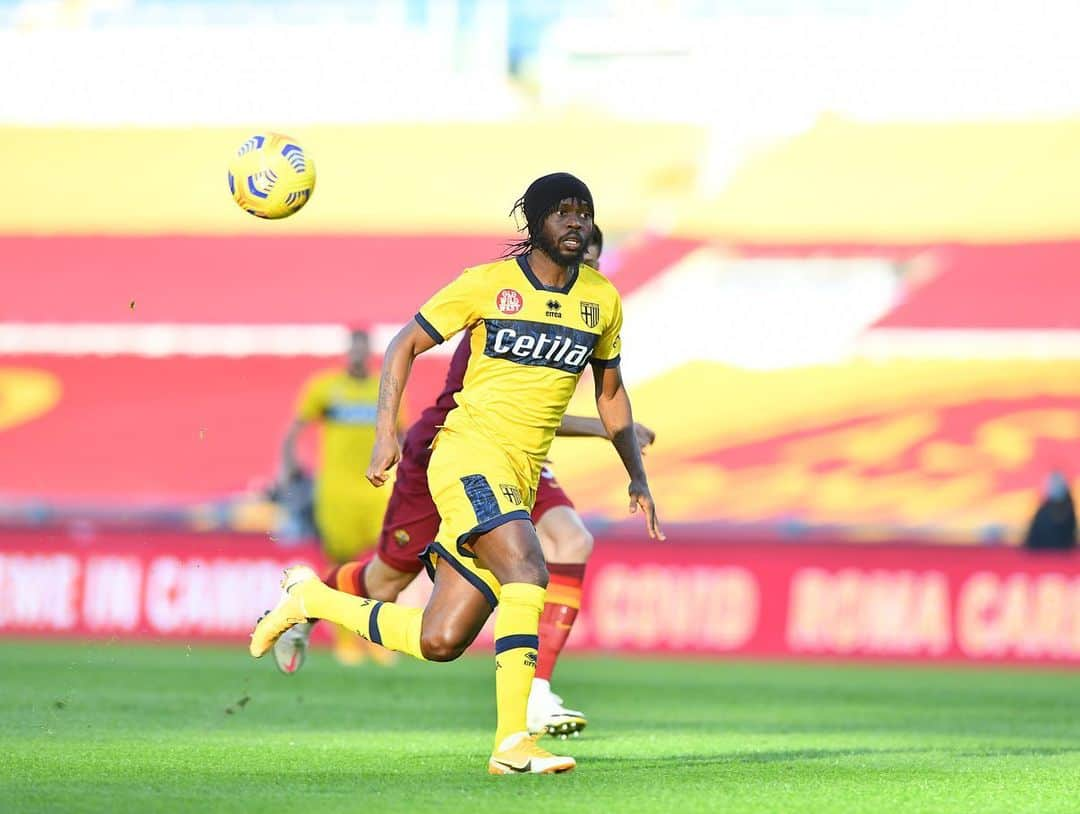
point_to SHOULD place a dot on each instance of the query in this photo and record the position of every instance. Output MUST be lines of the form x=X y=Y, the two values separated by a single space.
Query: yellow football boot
x=519 y=754
x=289 y=611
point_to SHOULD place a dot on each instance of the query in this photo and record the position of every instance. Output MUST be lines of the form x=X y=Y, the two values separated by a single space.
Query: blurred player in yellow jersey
x=538 y=317
x=348 y=508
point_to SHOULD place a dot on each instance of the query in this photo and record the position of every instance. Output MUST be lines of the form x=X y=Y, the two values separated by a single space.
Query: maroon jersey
x=416 y=451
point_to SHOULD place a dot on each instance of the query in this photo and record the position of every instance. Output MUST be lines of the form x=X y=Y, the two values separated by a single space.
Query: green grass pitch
x=117 y=728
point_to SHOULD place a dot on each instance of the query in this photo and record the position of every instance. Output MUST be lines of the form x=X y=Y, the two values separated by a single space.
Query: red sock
x=560 y=610
x=350 y=576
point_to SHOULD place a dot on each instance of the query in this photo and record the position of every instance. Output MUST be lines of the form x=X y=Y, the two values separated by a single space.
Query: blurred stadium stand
x=849 y=293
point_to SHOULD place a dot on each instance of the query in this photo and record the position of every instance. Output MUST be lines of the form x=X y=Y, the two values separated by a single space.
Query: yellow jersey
x=530 y=345
x=345 y=406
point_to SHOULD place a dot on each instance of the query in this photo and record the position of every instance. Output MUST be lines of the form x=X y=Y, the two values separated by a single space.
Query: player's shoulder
x=493 y=270
x=596 y=284
x=325 y=375
x=318 y=384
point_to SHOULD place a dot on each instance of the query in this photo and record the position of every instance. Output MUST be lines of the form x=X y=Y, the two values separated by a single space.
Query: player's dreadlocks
x=540 y=200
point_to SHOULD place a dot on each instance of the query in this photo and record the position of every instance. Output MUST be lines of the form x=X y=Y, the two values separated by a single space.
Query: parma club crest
x=511 y=493
x=590 y=314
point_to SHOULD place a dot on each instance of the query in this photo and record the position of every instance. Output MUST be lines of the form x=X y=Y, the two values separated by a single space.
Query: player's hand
x=385 y=454
x=644 y=436
x=288 y=473
x=640 y=496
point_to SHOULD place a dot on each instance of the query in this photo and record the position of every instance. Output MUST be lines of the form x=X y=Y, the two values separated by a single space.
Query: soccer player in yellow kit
x=348 y=508
x=526 y=359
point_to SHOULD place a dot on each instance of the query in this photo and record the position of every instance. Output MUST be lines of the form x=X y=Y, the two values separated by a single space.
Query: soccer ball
x=270 y=176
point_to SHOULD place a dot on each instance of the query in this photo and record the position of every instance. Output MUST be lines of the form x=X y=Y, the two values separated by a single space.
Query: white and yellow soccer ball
x=271 y=176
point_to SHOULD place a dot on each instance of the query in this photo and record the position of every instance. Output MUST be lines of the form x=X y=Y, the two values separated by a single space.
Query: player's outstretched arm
x=613 y=404
x=290 y=463
x=409 y=343
x=580 y=426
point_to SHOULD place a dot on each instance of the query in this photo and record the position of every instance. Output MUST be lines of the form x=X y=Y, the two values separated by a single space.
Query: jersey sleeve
x=311 y=404
x=610 y=345
x=452 y=309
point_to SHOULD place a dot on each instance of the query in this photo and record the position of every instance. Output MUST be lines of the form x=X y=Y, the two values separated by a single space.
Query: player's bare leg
x=454 y=615
x=567 y=545
x=384 y=582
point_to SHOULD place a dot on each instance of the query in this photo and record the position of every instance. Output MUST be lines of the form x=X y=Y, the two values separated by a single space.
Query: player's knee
x=532 y=569
x=442 y=644
x=578 y=546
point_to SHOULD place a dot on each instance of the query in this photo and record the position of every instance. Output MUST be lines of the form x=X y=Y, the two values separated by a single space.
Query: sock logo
x=530 y=659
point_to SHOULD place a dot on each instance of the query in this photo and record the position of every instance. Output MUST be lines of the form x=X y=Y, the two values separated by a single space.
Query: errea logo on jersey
x=539 y=344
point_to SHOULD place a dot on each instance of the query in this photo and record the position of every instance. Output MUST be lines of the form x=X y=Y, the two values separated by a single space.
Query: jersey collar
x=571 y=278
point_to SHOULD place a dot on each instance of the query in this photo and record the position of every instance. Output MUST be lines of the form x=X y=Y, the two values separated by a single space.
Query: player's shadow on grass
x=1021 y=751
x=765 y=756
x=877 y=720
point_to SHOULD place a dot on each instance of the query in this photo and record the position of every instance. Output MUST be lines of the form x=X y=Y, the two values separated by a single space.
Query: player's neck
x=548 y=271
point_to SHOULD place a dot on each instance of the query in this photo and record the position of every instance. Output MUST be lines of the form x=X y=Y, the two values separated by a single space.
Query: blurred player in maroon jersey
x=412 y=521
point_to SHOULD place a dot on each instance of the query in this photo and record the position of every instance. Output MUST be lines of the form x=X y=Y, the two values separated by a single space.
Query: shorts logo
x=401 y=537
x=508 y=301
x=511 y=493
x=590 y=314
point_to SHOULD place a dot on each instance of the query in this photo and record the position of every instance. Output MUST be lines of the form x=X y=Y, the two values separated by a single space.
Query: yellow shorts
x=349 y=520
x=477 y=486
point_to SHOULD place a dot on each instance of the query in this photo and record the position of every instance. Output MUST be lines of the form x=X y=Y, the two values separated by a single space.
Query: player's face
x=359 y=350
x=592 y=256
x=566 y=232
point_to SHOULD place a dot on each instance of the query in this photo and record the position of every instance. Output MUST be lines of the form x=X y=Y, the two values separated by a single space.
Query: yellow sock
x=347 y=648
x=393 y=626
x=516 y=626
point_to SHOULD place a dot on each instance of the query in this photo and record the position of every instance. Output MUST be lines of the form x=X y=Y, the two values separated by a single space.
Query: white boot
x=290 y=650
x=546 y=713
